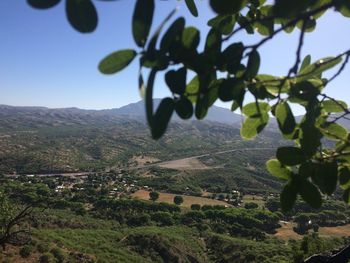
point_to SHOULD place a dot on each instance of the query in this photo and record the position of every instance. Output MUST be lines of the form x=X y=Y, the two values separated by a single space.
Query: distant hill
x=41 y=116
x=137 y=110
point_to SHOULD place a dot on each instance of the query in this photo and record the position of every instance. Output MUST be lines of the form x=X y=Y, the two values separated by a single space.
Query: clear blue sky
x=44 y=62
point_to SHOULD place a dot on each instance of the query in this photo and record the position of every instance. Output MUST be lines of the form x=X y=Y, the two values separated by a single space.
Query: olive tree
x=228 y=70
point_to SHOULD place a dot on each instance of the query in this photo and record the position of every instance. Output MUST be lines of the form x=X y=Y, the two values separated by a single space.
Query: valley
x=90 y=175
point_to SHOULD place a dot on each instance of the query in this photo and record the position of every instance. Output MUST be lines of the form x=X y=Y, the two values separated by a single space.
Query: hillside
x=41 y=140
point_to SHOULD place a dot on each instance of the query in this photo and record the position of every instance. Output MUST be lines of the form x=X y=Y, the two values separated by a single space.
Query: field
x=286 y=231
x=253 y=199
x=188 y=200
x=184 y=164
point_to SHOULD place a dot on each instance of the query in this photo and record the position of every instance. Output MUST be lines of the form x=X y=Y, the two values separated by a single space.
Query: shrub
x=46 y=258
x=153 y=196
x=178 y=200
x=43 y=247
x=196 y=207
x=58 y=254
x=25 y=251
x=251 y=205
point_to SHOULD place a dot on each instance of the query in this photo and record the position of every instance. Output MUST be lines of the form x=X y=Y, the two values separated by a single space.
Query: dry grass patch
x=336 y=231
x=184 y=164
x=188 y=200
x=142 y=160
x=253 y=199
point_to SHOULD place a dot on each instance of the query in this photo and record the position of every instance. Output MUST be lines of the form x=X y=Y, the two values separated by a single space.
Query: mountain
x=41 y=116
x=215 y=113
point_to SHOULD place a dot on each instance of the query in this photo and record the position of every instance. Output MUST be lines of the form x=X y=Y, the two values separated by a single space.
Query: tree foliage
x=228 y=70
x=11 y=218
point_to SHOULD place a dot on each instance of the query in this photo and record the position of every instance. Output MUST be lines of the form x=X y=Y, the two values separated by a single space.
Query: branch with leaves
x=311 y=168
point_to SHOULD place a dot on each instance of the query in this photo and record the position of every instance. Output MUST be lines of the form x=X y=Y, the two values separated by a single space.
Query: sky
x=44 y=62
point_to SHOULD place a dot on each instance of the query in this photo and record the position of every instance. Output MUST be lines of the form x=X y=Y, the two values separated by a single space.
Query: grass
x=188 y=200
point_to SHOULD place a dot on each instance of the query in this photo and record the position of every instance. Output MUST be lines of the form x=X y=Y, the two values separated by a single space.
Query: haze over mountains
x=10 y=115
x=135 y=111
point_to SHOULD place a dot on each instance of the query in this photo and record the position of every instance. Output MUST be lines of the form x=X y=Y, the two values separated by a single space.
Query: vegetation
x=92 y=225
x=178 y=200
x=312 y=164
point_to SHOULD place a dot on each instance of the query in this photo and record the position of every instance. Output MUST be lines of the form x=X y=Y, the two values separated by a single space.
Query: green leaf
x=227 y=6
x=142 y=21
x=334 y=131
x=190 y=38
x=310 y=193
x=309 y=135
x=326 y=176
x=201 y=109
x=344 y=177
x=343 y=7
x=213 y=42
x=307 y=170
x=254 y=125
x=290 y=155
x=162 y=117
x=288 y=196
x=254 y=109
x=172 y=34
x=223 y=23
x=306 y=62
x=192 y=89
x=231 y=58
x=253 y=65
x=234 y=106
x=306 y=91
x=43 y=4
x=176 y=80
x=184 y=108
x=192 y=7
x=334 y=106
x=265 y=27
x=285 y=119
x=318 y=68
x=278 y=170
x=230 y=89
x=273 y=84
x=149 y=97
x=116 y=61
x=82 y=15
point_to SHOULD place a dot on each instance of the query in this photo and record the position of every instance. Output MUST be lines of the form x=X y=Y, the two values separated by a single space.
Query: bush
x=58 y=254
x=196 y=207
x=43 y=247
x=46 y=258
x=251 y=205
x=139 y=220
x=164 y=218
x=153 y=196
x=26 y=251
x=178 y=200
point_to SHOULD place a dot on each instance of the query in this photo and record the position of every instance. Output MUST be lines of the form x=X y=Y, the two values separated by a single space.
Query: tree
x=153 y=196
x=11 y=217
x=178 y=200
